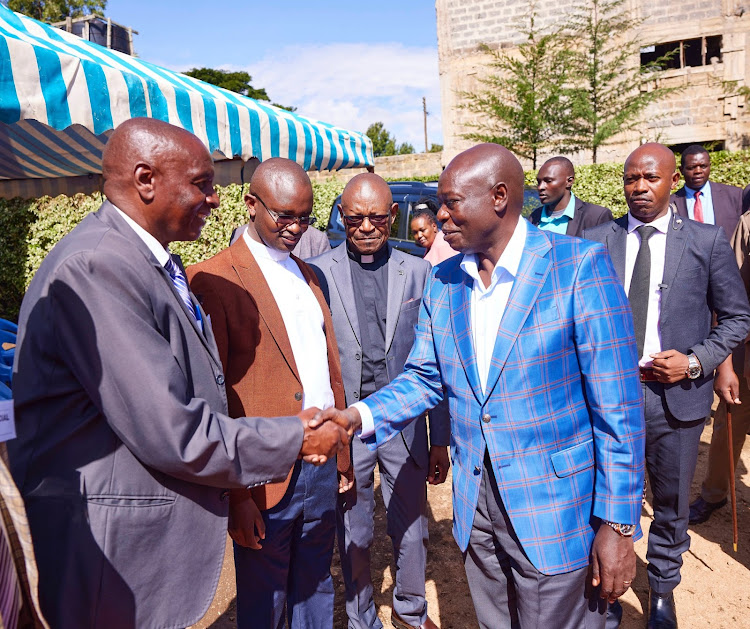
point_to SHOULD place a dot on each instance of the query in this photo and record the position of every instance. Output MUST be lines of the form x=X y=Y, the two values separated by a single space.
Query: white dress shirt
x=487 y=308
x=160 y=253
x=657 y=244
x=303 y=320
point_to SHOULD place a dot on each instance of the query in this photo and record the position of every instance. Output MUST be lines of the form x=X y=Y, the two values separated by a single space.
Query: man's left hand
x=612 y=563
x=438 y=465
x=670 y=366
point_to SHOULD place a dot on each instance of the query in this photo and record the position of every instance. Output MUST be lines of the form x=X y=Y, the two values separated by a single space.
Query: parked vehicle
x=406 y=194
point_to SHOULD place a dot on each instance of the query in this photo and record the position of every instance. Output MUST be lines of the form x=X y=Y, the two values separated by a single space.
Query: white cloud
x=354 y=85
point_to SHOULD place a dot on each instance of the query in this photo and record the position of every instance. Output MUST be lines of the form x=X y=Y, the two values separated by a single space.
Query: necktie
x=180 y=283
x=698 y=208
x=639 y=286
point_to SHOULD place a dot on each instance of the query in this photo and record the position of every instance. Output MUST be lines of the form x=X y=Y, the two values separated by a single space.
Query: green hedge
x=30 y=228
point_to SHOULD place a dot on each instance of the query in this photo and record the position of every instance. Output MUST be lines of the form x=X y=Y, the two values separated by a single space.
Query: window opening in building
x=686 y=53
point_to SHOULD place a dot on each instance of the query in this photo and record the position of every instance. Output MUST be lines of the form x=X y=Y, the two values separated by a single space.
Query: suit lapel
x=255 y=284
x=676 y=238
x=109 y=215
x=532 y=274
x=205 y=333
x=396 y=288
x=617 y=244
x=342 y=279
x=574 y=222
x=460 y=301
x=679 y=199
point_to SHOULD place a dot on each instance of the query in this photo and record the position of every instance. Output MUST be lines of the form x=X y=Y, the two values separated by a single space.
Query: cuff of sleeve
x=368 y=423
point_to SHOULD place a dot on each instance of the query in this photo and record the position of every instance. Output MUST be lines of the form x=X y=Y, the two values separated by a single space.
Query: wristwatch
x=694 y=369
x=626 y=530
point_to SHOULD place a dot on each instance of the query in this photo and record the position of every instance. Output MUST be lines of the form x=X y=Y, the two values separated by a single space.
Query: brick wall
x=704 y=112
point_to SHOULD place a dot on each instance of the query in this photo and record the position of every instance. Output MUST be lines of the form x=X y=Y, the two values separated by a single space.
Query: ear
x=500 y=197
x=675 y=179
x=250 y=202
x=144 y=180
x=569 y=182
x=394 y=211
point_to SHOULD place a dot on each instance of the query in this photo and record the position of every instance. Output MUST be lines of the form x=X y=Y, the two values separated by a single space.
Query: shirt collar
x=263 y=251
x=161 y=254
x=509 y=260
x=569 y=211
x=661 y=224
x=705 y=190
x=380 y=255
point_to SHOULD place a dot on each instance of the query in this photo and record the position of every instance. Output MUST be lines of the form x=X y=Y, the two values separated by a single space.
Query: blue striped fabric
x=75 y=92
x=562 y=415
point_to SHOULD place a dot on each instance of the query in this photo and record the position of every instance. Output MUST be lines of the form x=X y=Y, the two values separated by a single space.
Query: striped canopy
x=61 y=95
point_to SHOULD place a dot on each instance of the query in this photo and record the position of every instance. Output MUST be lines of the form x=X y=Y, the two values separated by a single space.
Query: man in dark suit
x=678 y=274
x=561 y=211
x=703 y=200
x=125 y=454
x=374 y=292
x=276 y=342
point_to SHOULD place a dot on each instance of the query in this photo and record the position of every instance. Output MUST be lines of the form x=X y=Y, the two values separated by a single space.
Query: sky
x=347 y=63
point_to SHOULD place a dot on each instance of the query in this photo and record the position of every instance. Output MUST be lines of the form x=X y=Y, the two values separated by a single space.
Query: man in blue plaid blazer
x=529 y=335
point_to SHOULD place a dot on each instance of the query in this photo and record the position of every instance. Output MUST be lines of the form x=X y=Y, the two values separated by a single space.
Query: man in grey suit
x=125 y=454
x=678 y=274
x=374 y=292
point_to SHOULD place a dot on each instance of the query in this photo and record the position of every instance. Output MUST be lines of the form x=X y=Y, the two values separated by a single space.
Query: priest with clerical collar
x=374 y=292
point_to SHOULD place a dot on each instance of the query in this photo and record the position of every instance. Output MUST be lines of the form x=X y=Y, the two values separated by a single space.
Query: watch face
x=693 y=372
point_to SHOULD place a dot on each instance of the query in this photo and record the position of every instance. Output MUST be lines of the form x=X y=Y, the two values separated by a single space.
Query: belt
x=648 y=375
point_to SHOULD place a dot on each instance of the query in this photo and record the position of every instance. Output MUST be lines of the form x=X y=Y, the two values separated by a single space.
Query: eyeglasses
x=378 y=220
x=286 y=219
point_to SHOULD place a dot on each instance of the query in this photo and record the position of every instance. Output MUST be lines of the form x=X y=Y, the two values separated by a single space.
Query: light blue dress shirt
x=706 y=202
x=557 y=224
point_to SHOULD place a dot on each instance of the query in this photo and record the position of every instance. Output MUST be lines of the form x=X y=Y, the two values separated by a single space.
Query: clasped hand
x=326 y=432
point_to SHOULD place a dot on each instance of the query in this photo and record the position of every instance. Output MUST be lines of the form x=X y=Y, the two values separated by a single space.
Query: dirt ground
x=715 y=588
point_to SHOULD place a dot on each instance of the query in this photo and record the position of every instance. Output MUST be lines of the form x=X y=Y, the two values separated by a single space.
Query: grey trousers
x=507 y=590
x=402 y=483
x=671 y=456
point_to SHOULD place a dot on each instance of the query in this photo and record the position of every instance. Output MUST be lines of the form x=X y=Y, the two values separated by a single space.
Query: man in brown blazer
x=275 y=337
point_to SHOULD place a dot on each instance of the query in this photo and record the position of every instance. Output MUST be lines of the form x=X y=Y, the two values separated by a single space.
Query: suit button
x=225 y=494
x=357 y=356
x=298 y=396
x=477 y=469
x=486 y=418
x=220 y=379
x=356 y=395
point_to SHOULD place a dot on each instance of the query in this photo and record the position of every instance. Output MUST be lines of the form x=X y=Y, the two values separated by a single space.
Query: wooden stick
x=731 y=478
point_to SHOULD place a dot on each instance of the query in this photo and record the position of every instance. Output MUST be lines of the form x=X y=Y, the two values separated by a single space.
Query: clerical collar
x=380 y=254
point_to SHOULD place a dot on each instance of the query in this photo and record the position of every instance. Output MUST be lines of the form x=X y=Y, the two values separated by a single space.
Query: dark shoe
x=662 y=614
x=400 y=623
x=701 y=510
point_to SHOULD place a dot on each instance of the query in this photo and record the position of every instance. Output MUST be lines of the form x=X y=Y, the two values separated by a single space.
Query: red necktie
x=698 y=208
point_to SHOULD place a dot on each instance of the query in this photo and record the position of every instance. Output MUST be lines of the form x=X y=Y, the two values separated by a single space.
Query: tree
x=57 y=10
x=238 y=82
x=603 y=48
x=435 y=148
x=383 y=143
x=526 y=105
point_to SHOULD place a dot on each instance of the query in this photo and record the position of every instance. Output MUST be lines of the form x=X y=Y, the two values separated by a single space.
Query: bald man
x=125 y=453
x=374 y=292
x=561 y=211
x=529 y=336
x=677 y=273
x=276 y=342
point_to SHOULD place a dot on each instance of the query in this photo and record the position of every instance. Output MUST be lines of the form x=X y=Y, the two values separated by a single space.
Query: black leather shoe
x=661 y=614
x=701 y=510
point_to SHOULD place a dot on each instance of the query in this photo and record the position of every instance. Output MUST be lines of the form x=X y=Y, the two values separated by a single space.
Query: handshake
x=327 y=432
